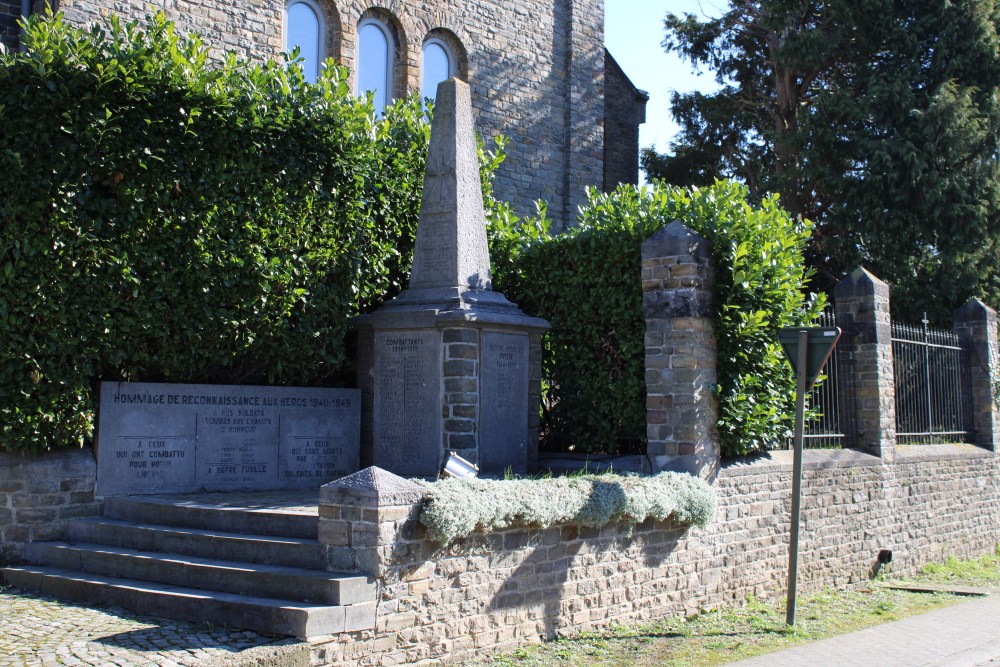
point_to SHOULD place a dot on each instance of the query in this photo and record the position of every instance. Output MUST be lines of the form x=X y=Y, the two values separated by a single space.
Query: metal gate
x=931 y=376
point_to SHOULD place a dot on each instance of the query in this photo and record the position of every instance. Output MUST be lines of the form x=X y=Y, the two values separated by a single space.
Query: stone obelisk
x=450 y=365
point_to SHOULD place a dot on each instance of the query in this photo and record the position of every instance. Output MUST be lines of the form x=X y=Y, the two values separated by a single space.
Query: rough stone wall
x=38 y=494
x=624 y=111
x=10 y=12
x=250 y=28
x=500 y=590
x=536 y=68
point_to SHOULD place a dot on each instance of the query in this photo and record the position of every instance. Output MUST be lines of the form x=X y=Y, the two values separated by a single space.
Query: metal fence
x=832 y=398
x=931 y=376
x=830 y=404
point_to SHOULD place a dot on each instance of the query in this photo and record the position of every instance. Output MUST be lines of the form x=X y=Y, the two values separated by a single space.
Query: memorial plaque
x=177 y=438
x=503 y=434
x=407 y=424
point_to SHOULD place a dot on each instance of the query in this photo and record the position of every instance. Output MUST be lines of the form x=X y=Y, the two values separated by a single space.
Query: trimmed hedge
x=167 y=219
x=586 y=282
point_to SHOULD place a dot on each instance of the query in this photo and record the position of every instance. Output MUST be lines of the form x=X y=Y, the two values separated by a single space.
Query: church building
x=538 y=69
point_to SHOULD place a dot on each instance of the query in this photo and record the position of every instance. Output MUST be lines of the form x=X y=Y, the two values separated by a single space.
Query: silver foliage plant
x=455 y=508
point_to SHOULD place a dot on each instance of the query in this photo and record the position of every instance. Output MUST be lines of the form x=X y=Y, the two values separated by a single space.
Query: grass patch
x=983 y=572
x=719 y=636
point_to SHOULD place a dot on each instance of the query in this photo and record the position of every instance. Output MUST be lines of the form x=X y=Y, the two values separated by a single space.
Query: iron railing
x=930 y=370
x=832 y=398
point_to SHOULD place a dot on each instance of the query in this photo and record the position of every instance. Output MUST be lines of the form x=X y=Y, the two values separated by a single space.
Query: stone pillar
x=862 y=308
x=976 y=326
x=681 y=357
x=364 y=519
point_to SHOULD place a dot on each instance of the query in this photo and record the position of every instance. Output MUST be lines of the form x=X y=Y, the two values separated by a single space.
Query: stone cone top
x=974 y=310
x=373 y=485
x=860 y=282
x=676 y=240
x=451 y=259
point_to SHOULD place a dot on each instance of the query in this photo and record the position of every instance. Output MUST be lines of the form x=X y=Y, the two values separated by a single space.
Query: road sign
x=821 y=343
x=807 y=348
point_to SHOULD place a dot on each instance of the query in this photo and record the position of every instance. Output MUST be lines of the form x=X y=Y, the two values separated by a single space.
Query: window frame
x=449 y=53
x=321 y=54
x=390 y=60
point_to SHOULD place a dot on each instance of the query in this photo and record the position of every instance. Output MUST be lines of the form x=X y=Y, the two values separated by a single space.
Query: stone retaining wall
x=500 y=590
x=37 y=495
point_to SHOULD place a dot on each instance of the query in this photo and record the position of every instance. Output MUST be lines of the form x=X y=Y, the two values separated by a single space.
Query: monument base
x=436 y=380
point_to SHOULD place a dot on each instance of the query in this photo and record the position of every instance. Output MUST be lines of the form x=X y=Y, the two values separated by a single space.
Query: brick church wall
x=10 y=12
x=624 y=111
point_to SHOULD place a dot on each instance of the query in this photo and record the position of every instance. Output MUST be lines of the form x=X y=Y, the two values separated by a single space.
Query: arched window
x=304 y=28
x=374 y=62
x=438 y=65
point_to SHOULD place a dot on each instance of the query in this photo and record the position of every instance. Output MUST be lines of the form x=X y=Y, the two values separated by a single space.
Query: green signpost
x=807 y=349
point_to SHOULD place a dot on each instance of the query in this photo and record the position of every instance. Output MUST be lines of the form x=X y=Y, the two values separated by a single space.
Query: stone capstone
x=379 y=487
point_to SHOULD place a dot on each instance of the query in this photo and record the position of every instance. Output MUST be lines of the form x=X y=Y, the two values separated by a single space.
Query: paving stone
x=38 y=631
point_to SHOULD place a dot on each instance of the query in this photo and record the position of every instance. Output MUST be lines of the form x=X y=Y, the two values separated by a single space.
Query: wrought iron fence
x=830 y=414
x=931 y=375
x=832 y=398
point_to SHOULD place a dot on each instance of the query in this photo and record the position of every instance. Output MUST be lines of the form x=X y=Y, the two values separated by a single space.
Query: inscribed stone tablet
x=176 y=438
x=407 y=386
x=503 y=435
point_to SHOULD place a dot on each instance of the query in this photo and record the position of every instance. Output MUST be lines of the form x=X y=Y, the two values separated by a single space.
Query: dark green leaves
x=586 y=282
x=164 y=218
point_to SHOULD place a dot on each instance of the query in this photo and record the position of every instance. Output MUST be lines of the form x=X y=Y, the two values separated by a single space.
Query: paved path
x=39 y=631
x=961 y=635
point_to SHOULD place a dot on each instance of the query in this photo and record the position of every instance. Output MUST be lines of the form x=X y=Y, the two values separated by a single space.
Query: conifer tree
x=877 y=119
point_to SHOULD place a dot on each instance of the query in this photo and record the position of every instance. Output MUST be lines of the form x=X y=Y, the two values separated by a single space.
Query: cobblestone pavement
x=39 y=630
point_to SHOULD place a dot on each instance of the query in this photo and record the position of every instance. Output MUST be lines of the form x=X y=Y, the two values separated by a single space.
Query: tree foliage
x=879 y=120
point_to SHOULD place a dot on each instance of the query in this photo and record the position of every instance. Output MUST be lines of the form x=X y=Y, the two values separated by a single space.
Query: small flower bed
x=456 y=508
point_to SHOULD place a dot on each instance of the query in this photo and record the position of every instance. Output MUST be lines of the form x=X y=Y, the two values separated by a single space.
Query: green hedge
x=166 y=218
x=586 y=282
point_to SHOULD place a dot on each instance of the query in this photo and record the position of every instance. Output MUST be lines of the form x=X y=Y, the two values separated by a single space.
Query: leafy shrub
x=455 y=508
x=586 y=282
x=164 y=219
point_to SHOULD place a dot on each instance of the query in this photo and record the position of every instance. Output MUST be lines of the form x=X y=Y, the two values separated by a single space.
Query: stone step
x=299 y=619
x=198 y=512
x=288 y=551
x=259 y=580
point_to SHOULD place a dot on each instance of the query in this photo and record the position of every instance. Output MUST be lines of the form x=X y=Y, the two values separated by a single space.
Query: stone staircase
x=254 y=568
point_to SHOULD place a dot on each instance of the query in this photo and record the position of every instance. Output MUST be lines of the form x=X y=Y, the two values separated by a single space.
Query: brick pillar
x=862 y=307
x=976 y=326
x=681 y=358
x=365 y=518
x=460 y=407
